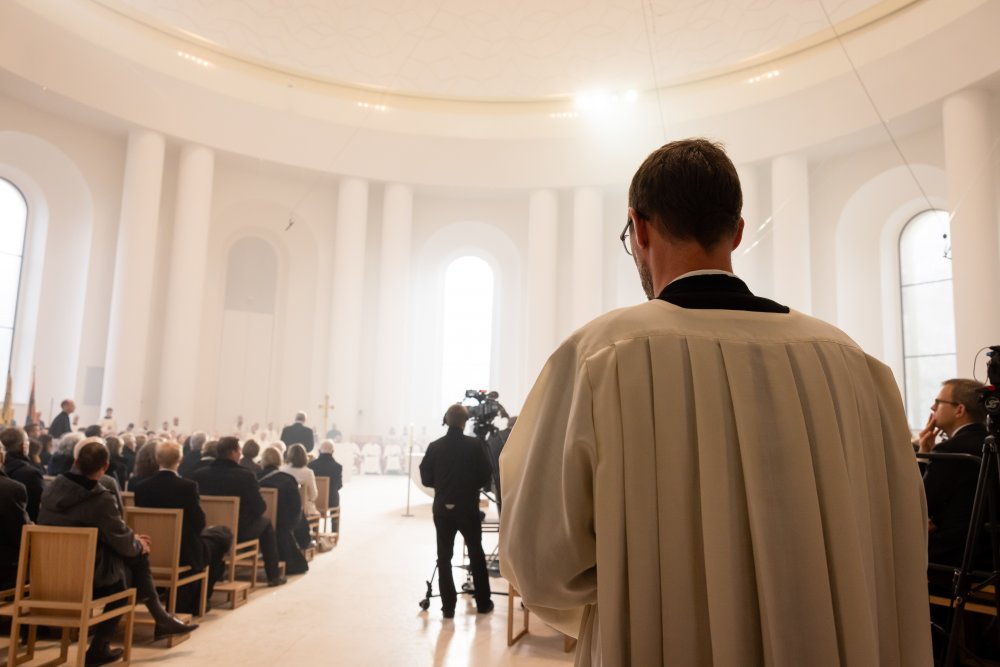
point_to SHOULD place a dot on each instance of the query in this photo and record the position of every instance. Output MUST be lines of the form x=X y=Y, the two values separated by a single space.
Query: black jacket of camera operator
x=456 y=467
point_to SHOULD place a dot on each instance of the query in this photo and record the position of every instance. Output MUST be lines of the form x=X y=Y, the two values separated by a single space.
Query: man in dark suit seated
x=290 y=521
x=951 y=485
x=77 y=499
x=225 y=477
x=201 y=547
x=193 y=458
x=326 y=466
x=298 y=433
x=13 y=516
x=20 y=469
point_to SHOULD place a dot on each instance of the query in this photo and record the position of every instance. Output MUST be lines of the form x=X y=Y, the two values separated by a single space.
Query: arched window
x=468 y=328
x=13 y=225
x=928 y=311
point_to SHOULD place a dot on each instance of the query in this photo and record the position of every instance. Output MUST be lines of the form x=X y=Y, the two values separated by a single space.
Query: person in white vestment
x=710 y=478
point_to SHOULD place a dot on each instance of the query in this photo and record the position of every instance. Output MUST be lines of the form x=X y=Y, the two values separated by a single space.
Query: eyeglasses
x=938 y=401
x=624 y=236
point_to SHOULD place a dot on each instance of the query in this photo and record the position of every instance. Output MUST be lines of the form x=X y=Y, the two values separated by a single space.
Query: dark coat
x=298 y=433
x=456 y=467
x=290 y=519
x=225 y=477
x=289 y=501
x=60 y=426
x=950 y=487
x=128 y=455
x=73 y=500
x=13 y=516
x=250 y=464
x=192 y=461
x=326 y=466
x=20 y=469
x=60 y=463
x=165 y=490
x=118 y=468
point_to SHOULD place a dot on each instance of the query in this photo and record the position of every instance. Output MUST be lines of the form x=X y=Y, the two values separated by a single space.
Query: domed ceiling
x=506 y=50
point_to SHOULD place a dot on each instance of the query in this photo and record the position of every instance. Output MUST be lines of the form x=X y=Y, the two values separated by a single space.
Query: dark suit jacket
x=950 y=487
x=298 y=433
x=20 y=469
x=225 y=477
x=456 y=467
x=289 y=501
x=166 y=490
x=60 y=426
x=326 y=466
x=13 y=516
x=192 y=461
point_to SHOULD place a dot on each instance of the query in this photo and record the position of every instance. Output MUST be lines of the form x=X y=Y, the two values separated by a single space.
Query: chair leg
x=15 y=640
x=204 y=596
x=64 y=643
x=129 y=627
x=172 y=597
x=81 y=645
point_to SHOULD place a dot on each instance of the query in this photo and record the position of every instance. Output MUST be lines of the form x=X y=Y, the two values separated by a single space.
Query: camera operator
x=456 y=467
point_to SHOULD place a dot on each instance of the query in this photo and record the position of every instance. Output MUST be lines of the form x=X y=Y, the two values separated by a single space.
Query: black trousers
x=217 y=540
x=261 y=530
x=470 y=526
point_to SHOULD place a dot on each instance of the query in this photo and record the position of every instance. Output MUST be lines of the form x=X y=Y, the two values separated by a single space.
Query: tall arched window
x=928 y=311
x=13 y=225
x=468 y=328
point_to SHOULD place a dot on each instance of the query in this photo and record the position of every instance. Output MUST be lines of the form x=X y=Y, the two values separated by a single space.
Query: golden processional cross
x=326 y=406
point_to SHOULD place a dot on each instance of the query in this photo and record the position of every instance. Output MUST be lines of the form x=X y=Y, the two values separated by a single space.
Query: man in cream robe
x=710 y=479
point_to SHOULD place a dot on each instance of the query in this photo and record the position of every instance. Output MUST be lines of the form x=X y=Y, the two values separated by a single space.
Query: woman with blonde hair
x=297 y=467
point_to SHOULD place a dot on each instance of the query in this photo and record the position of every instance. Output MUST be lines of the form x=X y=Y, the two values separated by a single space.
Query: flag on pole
x=7 y=416
x=32 y=412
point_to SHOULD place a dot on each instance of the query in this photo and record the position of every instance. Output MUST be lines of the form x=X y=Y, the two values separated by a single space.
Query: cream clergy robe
x=718 y=487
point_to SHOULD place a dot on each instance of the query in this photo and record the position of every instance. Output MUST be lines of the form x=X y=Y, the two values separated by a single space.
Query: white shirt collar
x=703 y=272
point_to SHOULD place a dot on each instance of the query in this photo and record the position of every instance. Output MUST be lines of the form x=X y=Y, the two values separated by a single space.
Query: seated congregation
x=177 y=523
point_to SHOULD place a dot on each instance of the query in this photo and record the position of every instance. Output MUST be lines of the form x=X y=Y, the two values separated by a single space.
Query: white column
x=128 y=326
x=749 y=261
x=968 y=139
x=394 y=308
x=347 y=301
x=186 y=278
x=790 y=211
x=588 y=255
x=543 y=248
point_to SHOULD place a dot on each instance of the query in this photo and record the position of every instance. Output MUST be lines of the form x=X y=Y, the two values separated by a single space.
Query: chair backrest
x=322 y=493
x=128 y=498
x=164 y=529
x=59 y=563
x=271 y=501
x=222 y=511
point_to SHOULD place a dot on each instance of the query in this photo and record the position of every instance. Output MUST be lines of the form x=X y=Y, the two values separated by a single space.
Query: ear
x=739 y=234
x=640 y=229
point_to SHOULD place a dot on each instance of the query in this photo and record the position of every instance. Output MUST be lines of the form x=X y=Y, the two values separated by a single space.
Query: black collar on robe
x=717 y=291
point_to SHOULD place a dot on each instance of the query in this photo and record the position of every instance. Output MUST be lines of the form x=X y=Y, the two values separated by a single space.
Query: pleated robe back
x=707 y=487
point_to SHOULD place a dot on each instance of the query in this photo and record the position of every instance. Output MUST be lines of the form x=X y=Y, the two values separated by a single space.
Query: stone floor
x=359 y=605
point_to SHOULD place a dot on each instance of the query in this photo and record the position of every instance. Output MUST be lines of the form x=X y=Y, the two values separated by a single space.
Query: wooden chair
x=270 y=497
x=128 y=498
x=164 y=527
x=313 y=519
x=225 y=511
x=326 y=513
x=7 y=609
x=59 y=562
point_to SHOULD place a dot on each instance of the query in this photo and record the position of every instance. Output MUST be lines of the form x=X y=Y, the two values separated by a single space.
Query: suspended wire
x=649 y=24
x=383 y=95
x=871 y=101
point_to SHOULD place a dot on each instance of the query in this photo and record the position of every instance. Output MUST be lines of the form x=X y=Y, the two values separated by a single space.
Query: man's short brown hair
x=168 y=454
x=690 y=190
x=92 y=458
x=226 y=446
x=966 y=392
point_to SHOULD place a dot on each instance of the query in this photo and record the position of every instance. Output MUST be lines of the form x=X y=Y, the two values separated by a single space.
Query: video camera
x=989 y=395
x=486 y=409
